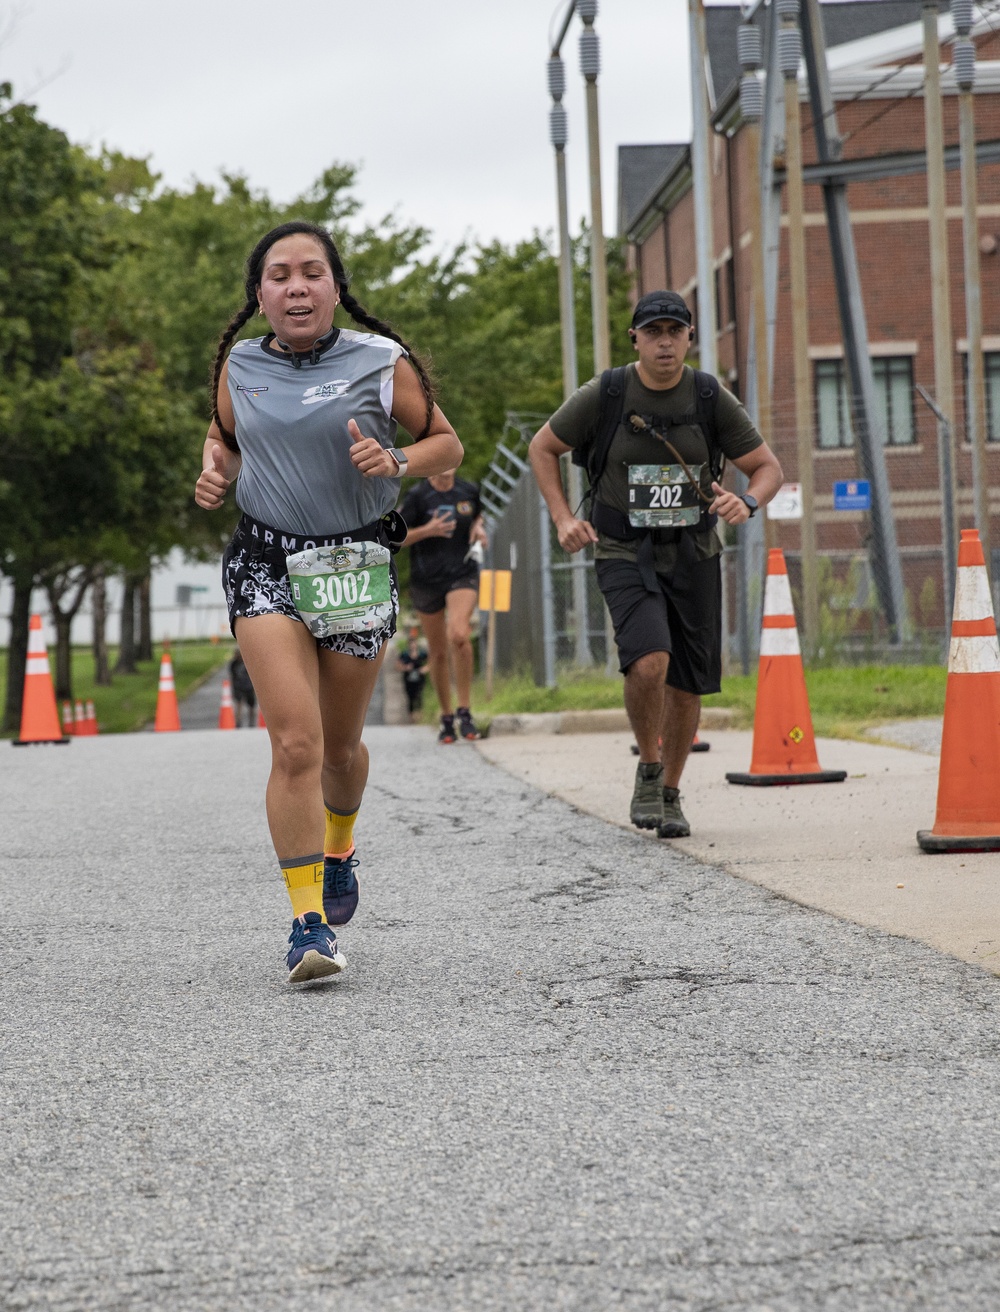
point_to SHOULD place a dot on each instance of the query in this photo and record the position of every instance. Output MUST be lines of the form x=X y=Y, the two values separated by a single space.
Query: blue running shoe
x=313 y=953
x=340 y=888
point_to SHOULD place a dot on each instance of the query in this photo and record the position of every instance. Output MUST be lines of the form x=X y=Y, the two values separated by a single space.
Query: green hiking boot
x=673 y=823
x=646 y=811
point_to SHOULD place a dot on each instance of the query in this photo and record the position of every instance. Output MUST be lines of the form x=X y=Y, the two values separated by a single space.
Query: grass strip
x=130 y=702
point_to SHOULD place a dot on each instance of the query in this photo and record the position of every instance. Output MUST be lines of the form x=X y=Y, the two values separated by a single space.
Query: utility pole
x=701 y=173
x=559 y=135
x=749 y=48
x=964 y=64
x=940 y=299
x=789 y=57
x=590 y=66
x=871 y=453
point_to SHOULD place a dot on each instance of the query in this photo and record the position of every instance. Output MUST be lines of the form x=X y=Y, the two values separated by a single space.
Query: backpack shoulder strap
x=612 y=406
x=706 y=392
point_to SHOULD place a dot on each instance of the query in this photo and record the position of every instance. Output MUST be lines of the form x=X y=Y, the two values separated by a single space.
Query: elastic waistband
x=275 y=539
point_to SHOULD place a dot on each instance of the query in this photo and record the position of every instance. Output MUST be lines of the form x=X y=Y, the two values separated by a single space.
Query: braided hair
x=254 y=270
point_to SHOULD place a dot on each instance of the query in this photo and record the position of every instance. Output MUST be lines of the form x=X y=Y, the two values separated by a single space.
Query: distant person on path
x=445 y=529
x=412 y=664
x=306 y=417
x=244 y=697
x=654 y=436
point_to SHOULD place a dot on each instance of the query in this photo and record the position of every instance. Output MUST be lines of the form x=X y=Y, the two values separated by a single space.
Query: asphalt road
x=567 y=1068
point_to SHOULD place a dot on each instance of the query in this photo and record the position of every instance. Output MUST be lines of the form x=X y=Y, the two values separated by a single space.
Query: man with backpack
x=653 y=436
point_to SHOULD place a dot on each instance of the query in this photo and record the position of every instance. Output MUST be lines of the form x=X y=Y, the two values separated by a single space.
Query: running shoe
x=674 y=823
x=313 y=953
x=340 y=888
x=646 y=811
x=466 y=724
x=447 y=733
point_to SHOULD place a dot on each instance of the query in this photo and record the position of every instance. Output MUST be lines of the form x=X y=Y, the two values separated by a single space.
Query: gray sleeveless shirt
x=291 y=425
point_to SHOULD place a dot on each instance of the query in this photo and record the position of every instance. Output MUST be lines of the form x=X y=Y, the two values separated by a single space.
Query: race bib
x=344 y=589
x=662 y=496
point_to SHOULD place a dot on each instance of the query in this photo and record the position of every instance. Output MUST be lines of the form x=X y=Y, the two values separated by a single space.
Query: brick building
x=875 y=56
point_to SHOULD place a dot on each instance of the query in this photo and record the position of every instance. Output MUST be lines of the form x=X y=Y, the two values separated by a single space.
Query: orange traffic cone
x=968 y=800
x=227 y=716
x=168 y=719
x=90 y=720
x=699 y=746
x=67 y=720
x=260 y=719
x=79 y=722
x=784 y=748
x=39 y=713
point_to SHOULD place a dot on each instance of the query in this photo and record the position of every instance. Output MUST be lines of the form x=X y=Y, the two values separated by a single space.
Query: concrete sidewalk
x=849 y=849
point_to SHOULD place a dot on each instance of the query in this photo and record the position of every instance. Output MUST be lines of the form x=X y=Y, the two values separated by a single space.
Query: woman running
x=306 y=417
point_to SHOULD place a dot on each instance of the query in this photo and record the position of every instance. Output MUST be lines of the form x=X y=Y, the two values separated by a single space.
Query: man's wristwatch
x=750 y=503
x=401 y=459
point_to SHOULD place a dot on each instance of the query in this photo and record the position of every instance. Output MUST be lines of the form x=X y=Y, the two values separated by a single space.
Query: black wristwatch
x=750 y=503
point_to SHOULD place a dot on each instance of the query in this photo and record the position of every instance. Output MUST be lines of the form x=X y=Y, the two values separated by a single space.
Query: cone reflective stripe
x=168 y=719
x=67 y=719
x=39 y=713
x=784 y=748
x=968 y=799
x=227 y=717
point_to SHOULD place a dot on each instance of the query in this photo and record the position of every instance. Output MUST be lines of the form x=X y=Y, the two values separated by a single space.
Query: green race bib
x=343 y=589
x=662 y=496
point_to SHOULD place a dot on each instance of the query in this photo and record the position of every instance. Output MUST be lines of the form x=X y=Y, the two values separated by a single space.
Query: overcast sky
x=442 y=103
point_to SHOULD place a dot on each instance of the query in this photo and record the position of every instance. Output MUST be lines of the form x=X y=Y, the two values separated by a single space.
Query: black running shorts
x=256 y=583
x=430 y=598
x=684 y=619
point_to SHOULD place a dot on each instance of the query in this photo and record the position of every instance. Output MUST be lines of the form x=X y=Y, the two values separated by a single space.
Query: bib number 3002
x=342 y=589
x=331 y=591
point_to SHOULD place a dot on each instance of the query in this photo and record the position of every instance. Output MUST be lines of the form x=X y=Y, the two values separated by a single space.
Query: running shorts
x=684 y=618
x=430 y=598
x=256 y=582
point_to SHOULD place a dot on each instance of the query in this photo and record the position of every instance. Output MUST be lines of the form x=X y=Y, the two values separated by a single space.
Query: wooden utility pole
x=964 y=63
x=944 y=390
x=789 y=54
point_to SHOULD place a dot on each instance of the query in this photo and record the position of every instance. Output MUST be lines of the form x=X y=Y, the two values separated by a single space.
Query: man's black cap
x=660 y=305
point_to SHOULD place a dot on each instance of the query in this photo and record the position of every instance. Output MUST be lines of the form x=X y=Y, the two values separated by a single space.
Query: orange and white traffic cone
x=168 y=718
x=968 y=800
x=227 y=716
x=90 y=720
x=784 y=748
x=79 y=721
x=39 y=713
x=68 y=727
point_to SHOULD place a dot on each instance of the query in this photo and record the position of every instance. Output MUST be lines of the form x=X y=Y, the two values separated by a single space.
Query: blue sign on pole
x=852 y=494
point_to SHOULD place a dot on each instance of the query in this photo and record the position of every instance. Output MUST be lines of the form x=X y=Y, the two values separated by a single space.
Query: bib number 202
x=336 y=590
x=665 y=496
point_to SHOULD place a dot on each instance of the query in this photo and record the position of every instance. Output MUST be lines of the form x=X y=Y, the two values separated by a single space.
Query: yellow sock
x=339 y=832
x=303 y=876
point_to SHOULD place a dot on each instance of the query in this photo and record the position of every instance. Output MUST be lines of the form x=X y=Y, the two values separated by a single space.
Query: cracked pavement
x=567 y=1068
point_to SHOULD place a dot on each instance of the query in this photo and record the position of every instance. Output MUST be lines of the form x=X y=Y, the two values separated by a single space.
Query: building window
x=991 y=362
x=893 y=375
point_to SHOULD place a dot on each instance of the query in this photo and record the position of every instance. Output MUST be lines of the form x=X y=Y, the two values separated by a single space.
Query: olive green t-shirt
x=576 y=422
